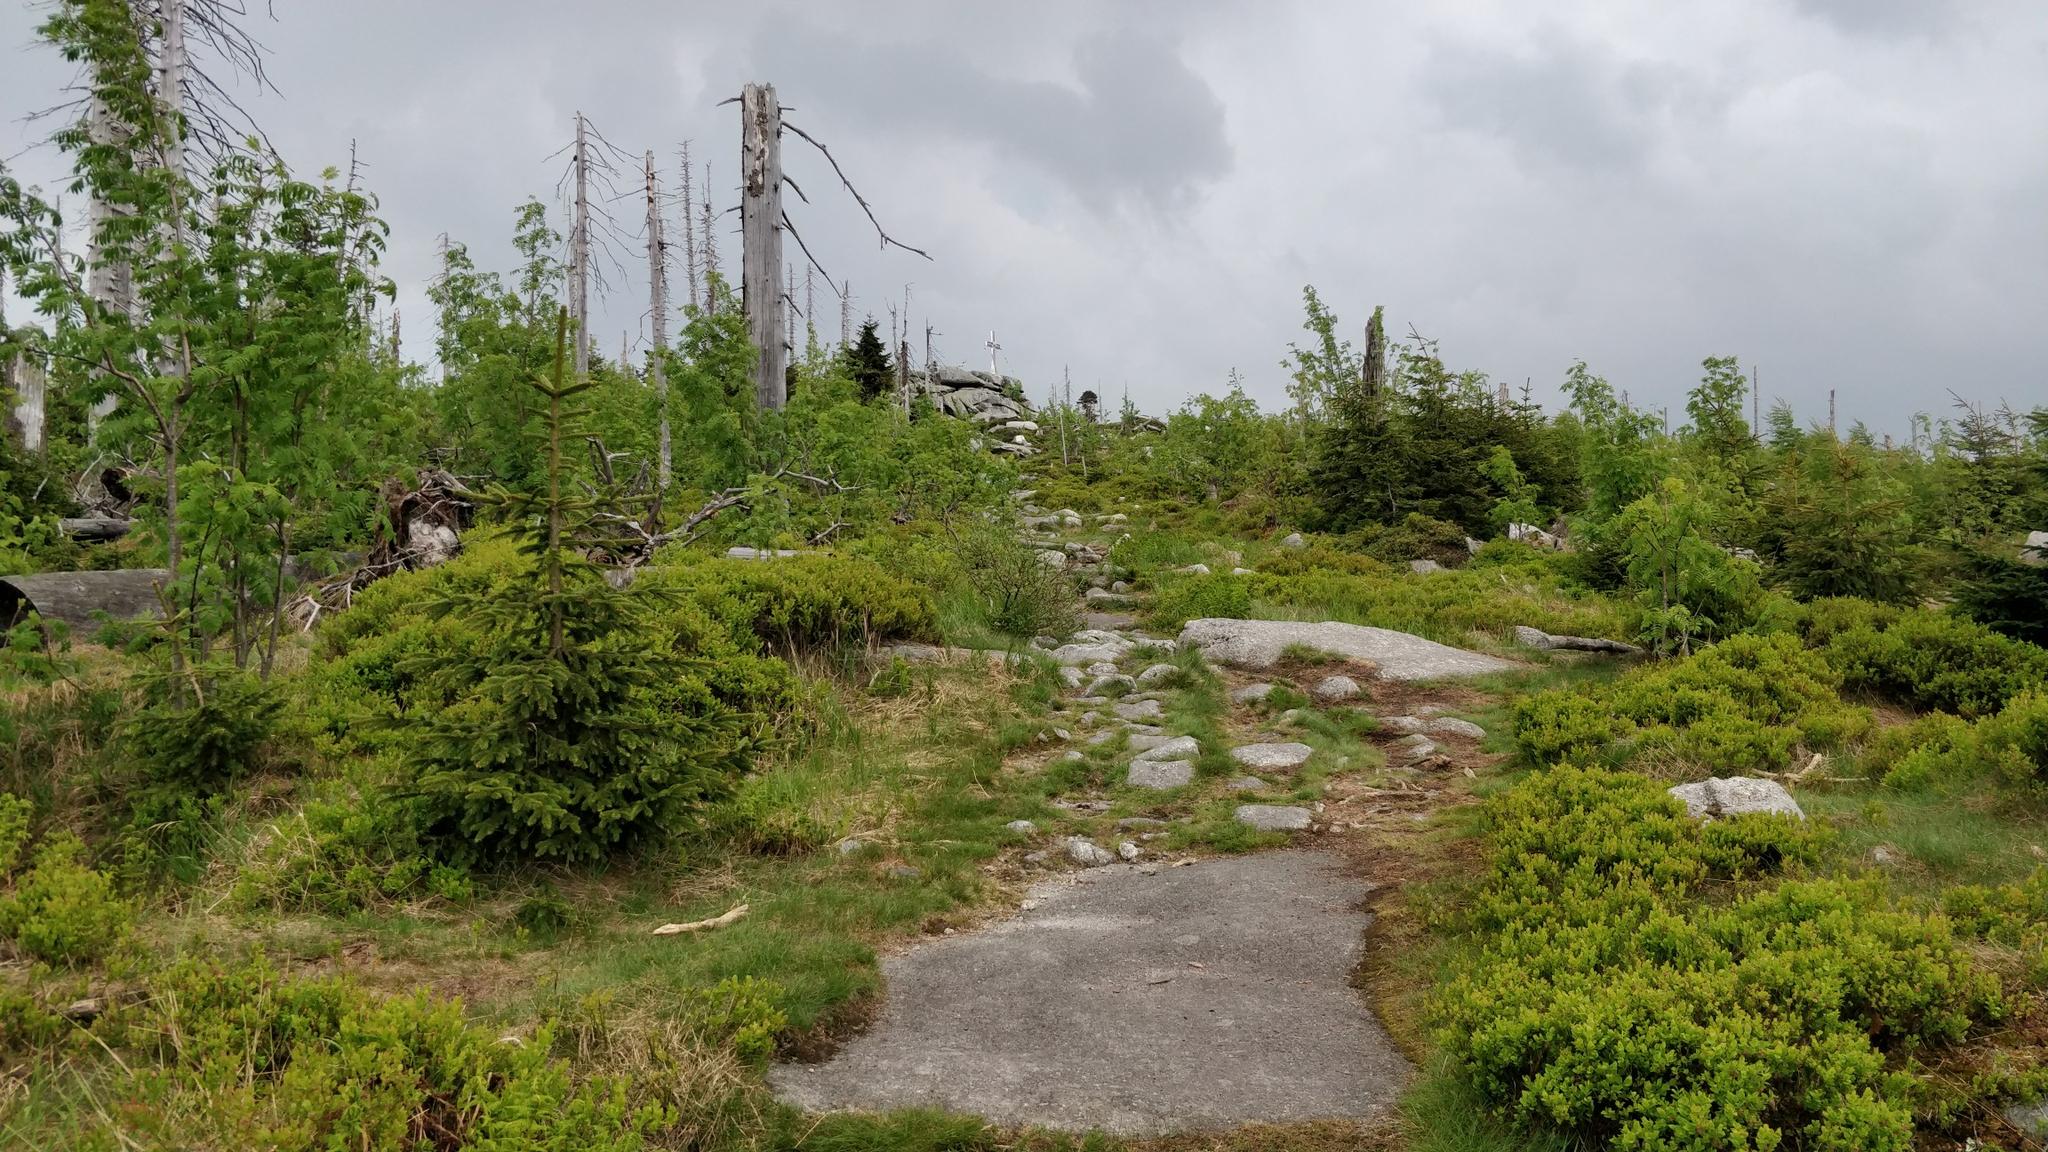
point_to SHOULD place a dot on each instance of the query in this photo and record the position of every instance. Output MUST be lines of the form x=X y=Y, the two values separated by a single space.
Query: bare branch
x=858 y=198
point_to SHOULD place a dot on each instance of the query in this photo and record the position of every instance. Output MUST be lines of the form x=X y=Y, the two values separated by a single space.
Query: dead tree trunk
x=579 y=253
x=711 y=271
x=689 y=230
x=1374 y=370
x=761 y=239
x=657 y=304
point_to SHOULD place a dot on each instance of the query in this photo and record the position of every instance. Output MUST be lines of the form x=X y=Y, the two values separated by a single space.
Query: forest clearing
x=774 y=738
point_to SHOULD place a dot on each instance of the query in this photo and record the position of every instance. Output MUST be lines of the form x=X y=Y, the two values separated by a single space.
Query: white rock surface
x=1156 y=674
x=1024 y=826
x=1331 y=689
x=1141 y=710
x=1160 y=774
x=1424 y=567
x=1293 y=540
x=1177 y=748
x=1398 y=655
x=1272 y=757
x=1736 y=796
x=1452 y=726
x=1088 y=853
x=1274 y=817
x=1403 y=725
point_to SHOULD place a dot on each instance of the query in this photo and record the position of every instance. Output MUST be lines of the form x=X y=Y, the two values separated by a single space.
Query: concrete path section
x=1211 y=995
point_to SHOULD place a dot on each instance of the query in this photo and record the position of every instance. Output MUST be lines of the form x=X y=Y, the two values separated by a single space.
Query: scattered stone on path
x=1424 y=567
x=1251 y=694
x=1157 y=674
x=1293 y=540
x=1144 y=729
x=1120 y=587
x=1397 y=655
x=1403 y=725
x=2031 y=1119
x=1242 y=572
x=1735 y=796
x=1102 y=684
x=1141 y=710
x=1052 y=558
x=1070 y=677
x=1089 y=719
x=1088 y=853
x=1452 y=726
x=1331 y=689
x=1094 y=594
x=1129 y=823
x=1109 y=621
x=1272 y=757
x=1537 y=638
x=1415 y=747
x=1196 y=570
x=1074 y=755
x=850 y=845
x=1177 y=748
x=1160 y=774
x=1038 y=857
x=1291 y=716
x=1025 y=827
x=1102 y=668
x=1128 y=851
x=1274 y=817
x=1259 y=1023
x=1248 y=784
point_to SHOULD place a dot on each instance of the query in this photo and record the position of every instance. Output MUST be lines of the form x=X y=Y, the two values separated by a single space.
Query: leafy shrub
x=801 y=603
x=336 y=1067
x=1925 y=659
x=741 y=1012
x=344 y=853
x=1181 y=599
x=61 y=911
x=1612 y=1004
x=1551 y=727
x=1021 y=595
x=1744 y=704
x=15 y=816
x=2015 y=741
x=1416 y=537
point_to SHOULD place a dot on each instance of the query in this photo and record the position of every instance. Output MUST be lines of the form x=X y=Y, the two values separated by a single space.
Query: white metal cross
x=993 y=348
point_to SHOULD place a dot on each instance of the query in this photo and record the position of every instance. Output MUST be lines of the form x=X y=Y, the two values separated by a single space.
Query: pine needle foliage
x=544 y=738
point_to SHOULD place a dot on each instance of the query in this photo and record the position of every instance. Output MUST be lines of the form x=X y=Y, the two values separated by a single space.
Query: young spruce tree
x=547 y=741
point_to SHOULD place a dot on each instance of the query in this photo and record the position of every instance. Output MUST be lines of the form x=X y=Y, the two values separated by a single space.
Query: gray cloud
x=1848 y=194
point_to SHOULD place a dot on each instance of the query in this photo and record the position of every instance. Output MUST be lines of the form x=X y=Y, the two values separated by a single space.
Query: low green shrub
x=1611 y=1002
x=1924 y=659
x=61 y=911
x=1416 y=537
x=16 y=816
x=357 y=849
x=1745 y=704
x=1180 y=599
x=1020 y=595
x=251 y=1058
x=800 y=603
x=198 y=734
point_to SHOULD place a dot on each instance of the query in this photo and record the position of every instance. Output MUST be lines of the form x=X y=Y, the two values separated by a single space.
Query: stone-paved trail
x=1202 y=996
x=1142 y=994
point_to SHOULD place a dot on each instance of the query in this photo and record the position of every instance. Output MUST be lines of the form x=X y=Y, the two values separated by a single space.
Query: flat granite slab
x=1259 y=644
x=1207 y=996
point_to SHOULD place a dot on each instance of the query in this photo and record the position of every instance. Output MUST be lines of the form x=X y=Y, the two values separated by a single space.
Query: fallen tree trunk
x=75 y=597
x=95 y=529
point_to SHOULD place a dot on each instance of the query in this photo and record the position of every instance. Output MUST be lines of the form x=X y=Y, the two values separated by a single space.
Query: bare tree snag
x=690 y=271
x=657 y=306
x=761 y=239
x=579 y=253
x=1375 y=365
x=710 y=257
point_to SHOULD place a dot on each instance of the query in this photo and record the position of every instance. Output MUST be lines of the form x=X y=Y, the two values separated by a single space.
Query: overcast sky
x=1852 y=194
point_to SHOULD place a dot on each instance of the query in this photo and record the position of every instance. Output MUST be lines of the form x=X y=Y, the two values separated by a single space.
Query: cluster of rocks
x=1537 y=638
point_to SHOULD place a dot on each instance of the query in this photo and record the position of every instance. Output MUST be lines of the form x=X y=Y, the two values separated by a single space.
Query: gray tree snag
x=1374 y=369
x=710 y=248
x=761 y=239
x=579 y=253
x=657 y=307
x=690 y=271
